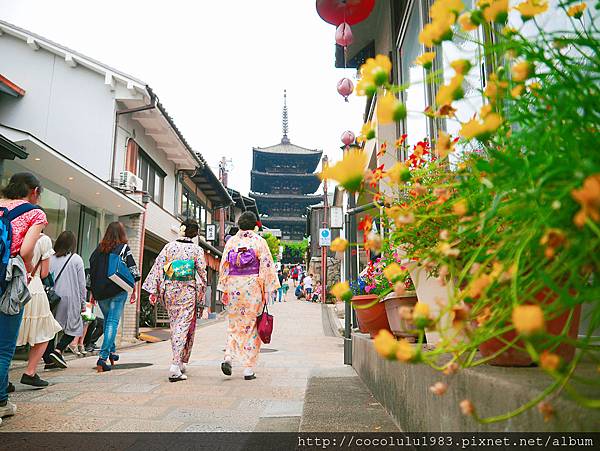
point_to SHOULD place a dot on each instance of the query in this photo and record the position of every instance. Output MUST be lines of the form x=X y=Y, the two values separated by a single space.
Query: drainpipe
x=119 y=113
x=138 y=307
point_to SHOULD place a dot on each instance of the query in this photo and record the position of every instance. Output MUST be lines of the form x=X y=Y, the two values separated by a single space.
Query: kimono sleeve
x=155 y=276
x=200 y=261
x=224 y=268
x=267 y=272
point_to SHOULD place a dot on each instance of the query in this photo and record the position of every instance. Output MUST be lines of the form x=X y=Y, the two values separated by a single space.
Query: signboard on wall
x=211 y=232
x=336 y=217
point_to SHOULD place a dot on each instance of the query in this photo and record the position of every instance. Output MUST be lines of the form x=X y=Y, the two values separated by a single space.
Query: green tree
x=295 y=251
x=273 y=243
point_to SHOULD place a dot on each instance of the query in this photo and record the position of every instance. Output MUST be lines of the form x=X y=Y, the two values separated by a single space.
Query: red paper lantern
x=343 y=35
x=350 y=11
x=347 y=137
x=345 y=87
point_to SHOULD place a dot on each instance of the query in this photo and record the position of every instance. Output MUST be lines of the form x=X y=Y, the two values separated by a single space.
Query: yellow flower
x=376 y=70
x=446 y=10
x=398 y=173
x=576 y=11
x=450 y=92
x=393 y=271
x=365 y=87
x=588 y=197
x=531 y=8
x=496 y=11
x=460 y=208
x=367 y=132
x=485 y=110
x=389 y=109
x=444 y=144
x=425 y=60
x=528 y=319
x=478 y=286
x=475 y=128
x=374 y=242
x=522 y=71
x=517 y=90
x=495 y=88
x=437 y=31
x=421 y=310
x=349 y=172
x=341 y=291
x=405 y=351
x=385 y=344
x=465 y=22
x=446 y=249
x=461 y=66
x=549 y=361
x=338 y=245
x=509 y=31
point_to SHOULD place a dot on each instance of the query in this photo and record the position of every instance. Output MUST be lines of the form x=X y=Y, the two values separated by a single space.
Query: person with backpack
x=178 y=280
x=111 y=296
x=38 y=326
x=21 y=224
x=248 y=279
x=69 y=283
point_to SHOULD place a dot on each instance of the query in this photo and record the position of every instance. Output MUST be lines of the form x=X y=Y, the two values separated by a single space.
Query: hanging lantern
x=347 y=137
x=350 y=11
x=345 y=88
x=343 y=35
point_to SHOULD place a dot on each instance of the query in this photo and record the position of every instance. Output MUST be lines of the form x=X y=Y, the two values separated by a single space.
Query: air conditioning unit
x=130 y=181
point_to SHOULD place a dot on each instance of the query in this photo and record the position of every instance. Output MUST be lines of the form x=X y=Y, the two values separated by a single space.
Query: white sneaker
x=175 y=374
x=249 y=374
x=8 y=410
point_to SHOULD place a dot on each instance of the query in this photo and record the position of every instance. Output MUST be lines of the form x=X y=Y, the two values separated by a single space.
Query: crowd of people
x=45 y=294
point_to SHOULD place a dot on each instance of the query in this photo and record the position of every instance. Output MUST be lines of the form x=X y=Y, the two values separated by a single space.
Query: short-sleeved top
x=42 y=251
x=23 y=223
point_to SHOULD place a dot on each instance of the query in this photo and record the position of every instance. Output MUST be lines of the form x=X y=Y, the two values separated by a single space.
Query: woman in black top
x=110 y=297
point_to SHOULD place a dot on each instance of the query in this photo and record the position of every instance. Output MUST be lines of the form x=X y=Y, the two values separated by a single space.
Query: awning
x=211 y=186
x=81 y=185
x=8 y=87
x=9 y=150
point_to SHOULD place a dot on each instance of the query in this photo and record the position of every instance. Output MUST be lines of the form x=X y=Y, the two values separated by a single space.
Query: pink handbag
x=264 y=324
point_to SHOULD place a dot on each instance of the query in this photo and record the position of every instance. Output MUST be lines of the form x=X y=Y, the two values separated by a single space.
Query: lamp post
x=325 y=226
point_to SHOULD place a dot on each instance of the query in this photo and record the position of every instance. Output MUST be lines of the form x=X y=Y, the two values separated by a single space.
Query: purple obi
x=243 y=262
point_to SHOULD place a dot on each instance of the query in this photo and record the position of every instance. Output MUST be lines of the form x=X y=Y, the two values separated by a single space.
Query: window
x=152 y=176
x=192 y=208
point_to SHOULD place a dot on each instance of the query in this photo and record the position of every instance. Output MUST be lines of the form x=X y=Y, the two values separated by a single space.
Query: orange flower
x=338 y=245
x=385 y=344
x=588 y=197
x=466 y=407
x=400 y=141
x=376 y=175
x=382 y=150
x=484 y=316
x=460 y=208
x=546 y=409
x=405 y=351
x=528 y=319
x=439 y=388
x=373 y=242
x=366 y=224
x=522 y=71
x=549 y=361
x=553 y=239
x=451 y=368
x=479 y=285
x=444 y=144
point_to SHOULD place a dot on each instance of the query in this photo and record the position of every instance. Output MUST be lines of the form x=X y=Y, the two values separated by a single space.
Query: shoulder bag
x=49 y=283
x=264 y=325
x=118 y=272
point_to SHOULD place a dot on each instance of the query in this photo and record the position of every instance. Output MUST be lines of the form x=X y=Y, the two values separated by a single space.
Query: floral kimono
x=247 y=276
x=180 y=298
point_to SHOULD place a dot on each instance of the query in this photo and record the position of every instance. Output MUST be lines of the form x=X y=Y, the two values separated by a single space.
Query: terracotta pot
x=555 y=326
x=370 y=320
x=401 y=328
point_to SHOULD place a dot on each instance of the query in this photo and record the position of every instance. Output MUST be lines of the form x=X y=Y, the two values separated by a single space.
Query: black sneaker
x=34 y=381
x=50 y=366
x=226 y=368
x=58 y=359
x=10 y=388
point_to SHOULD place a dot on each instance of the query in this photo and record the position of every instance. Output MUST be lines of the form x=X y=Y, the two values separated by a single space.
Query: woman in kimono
x=178 y=280
x=248 y=279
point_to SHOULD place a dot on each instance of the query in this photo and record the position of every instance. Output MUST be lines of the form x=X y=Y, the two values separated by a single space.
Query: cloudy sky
x=219 y=67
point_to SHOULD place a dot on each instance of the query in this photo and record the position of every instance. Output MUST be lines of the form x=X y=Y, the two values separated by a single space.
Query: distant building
x=283 y=184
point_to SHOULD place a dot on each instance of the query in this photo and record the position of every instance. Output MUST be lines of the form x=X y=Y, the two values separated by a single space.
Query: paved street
x=142 y=399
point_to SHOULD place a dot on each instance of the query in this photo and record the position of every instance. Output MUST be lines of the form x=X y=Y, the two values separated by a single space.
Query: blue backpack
x=6 y=236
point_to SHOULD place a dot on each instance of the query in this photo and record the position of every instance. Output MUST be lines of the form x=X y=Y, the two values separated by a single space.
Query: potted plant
x=399 y=305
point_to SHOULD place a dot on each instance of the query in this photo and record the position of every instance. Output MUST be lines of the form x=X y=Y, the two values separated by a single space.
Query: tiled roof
x=288 y=148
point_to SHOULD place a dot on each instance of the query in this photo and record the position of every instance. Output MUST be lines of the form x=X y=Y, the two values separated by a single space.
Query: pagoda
x=283 y=183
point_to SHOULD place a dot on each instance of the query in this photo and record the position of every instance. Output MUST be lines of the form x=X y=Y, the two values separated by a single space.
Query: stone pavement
x=136 y=395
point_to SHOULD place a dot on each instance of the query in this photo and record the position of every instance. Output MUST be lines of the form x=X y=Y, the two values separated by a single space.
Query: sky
x=218 y=67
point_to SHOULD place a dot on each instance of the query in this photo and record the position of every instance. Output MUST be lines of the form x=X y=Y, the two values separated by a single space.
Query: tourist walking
x=178 y=280
x=27 y=222
x=110 y=296
x=308 y=288
x=69 y=283
x=280 y=277
x=38 y=326
x=248 y=279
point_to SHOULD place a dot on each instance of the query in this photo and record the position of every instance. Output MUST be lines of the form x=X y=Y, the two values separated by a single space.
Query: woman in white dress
x=38 y=326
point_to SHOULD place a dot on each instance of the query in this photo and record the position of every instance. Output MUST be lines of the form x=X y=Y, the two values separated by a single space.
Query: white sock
x=248 y=371
x=174 y=370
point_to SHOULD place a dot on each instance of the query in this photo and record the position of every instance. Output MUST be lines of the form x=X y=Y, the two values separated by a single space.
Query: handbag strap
x=63 y=268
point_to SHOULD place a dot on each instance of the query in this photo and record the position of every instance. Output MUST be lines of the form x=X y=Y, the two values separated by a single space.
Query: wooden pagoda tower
x=283 y=183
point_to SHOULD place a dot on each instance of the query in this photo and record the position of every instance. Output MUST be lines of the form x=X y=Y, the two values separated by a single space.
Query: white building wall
x=70 y=109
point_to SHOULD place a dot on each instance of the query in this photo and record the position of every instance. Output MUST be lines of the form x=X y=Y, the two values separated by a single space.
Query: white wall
x=68 y=108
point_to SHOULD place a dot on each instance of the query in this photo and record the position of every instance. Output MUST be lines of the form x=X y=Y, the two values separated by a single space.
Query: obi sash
x=243 y=262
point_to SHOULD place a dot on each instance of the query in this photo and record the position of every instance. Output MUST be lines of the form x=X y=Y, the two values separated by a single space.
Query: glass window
x=152 y=176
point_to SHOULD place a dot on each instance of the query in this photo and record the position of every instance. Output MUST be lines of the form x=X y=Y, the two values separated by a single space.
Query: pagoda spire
x=284 y=117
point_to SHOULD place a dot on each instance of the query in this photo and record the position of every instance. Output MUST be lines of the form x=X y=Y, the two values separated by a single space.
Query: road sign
x=324 y=237
x=337 y=217
x=211 y=232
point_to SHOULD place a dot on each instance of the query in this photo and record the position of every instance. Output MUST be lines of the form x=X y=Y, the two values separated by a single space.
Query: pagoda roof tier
x=264 y=182
x=283 y=220
x=286 y=162
x=286 y=147
x=309 y=198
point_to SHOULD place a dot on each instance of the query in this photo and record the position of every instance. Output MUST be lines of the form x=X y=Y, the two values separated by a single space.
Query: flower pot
x=372 y=319
x=401 y=328
x=515 y=357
